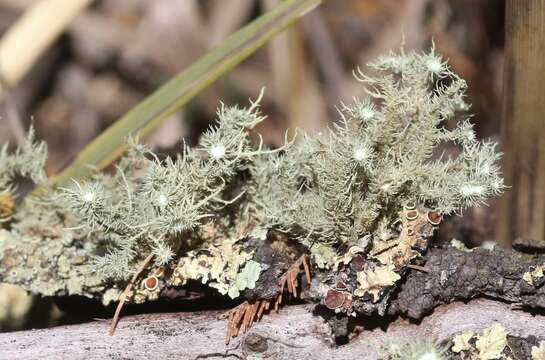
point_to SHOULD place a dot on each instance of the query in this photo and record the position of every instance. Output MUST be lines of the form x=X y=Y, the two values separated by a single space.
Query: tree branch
x=295 y=333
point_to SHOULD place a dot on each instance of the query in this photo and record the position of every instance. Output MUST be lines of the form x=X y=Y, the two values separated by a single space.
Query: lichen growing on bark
x=362 y=196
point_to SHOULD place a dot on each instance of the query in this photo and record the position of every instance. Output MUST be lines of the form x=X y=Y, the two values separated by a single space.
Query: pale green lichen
x=27 y=161
x=198 y=213
x=486 y=245
x=324 y=256
x=245 y=279
x=329 y=189
x=165 y=210
x=111 y=295
x=535 y=273
x=226 y=267
x=373 y=280
x=461 y=342
x=489 y=345
x=45 y=266
x=457 y=244
x=336 y=187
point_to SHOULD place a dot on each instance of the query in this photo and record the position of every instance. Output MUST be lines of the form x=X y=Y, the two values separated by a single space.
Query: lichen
x=245 y=279
x=373 y=280
x=225 y=267
x=324 y=256
x=538 y=352
x=43 y=261
x=534 y=274
x=413 y=349
x=362 y=198
x=461 y=341
x=400 y=250
x=487 y=346
x=27 y=161
x=491 y=343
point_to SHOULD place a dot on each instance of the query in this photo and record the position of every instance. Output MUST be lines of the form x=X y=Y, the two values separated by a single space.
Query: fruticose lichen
x=362 y=198
x=27 y=161
x=36 y=250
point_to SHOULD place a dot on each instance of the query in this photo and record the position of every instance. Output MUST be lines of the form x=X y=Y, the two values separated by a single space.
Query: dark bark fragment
x=458 y=275
x=520 y=347
x=526 y=245
x=267 y=285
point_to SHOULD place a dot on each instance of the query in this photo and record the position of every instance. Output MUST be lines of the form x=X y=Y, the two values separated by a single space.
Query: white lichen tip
x=497 y=185
x=434 y=65
x=386 y=187
x=367 y=113
x=430 y=356
x=484 y=169
x=217 y=151
x=88 y=196
x=468 y=134
x=469 y=190
x=361 y=154
x=162 y=200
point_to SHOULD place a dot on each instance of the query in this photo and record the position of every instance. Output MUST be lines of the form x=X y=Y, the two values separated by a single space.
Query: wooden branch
x=522 y=211
x=455 y=275
x=295 y=333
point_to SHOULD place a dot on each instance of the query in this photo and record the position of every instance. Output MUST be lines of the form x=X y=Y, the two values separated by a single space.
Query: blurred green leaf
x=169 y=98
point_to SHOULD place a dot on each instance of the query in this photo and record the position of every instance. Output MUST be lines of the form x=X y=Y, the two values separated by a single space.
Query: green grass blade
x=169 y=98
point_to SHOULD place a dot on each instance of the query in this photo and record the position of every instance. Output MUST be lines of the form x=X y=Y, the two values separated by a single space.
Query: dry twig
x=123 y=297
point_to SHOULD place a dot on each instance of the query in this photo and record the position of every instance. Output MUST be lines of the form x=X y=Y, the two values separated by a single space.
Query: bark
x=449 y=275
x=294 y=333
x=458 y=275
x=299 y=332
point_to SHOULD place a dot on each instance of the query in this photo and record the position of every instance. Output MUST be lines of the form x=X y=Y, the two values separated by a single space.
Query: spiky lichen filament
x=337 y=189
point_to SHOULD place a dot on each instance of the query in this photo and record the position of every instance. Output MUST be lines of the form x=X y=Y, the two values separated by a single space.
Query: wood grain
x=522 y=211
x=293 y=334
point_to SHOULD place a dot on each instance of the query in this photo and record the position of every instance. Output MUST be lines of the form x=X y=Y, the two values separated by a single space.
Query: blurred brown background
x=118 y=51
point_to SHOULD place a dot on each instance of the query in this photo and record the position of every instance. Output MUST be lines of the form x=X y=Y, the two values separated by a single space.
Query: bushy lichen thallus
x=353 y=206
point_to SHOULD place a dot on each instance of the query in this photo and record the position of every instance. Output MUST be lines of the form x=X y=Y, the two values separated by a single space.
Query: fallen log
x=295 y=333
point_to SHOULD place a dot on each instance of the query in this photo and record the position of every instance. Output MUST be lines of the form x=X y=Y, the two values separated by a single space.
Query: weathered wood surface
x=522 y=212
x=293 y=334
